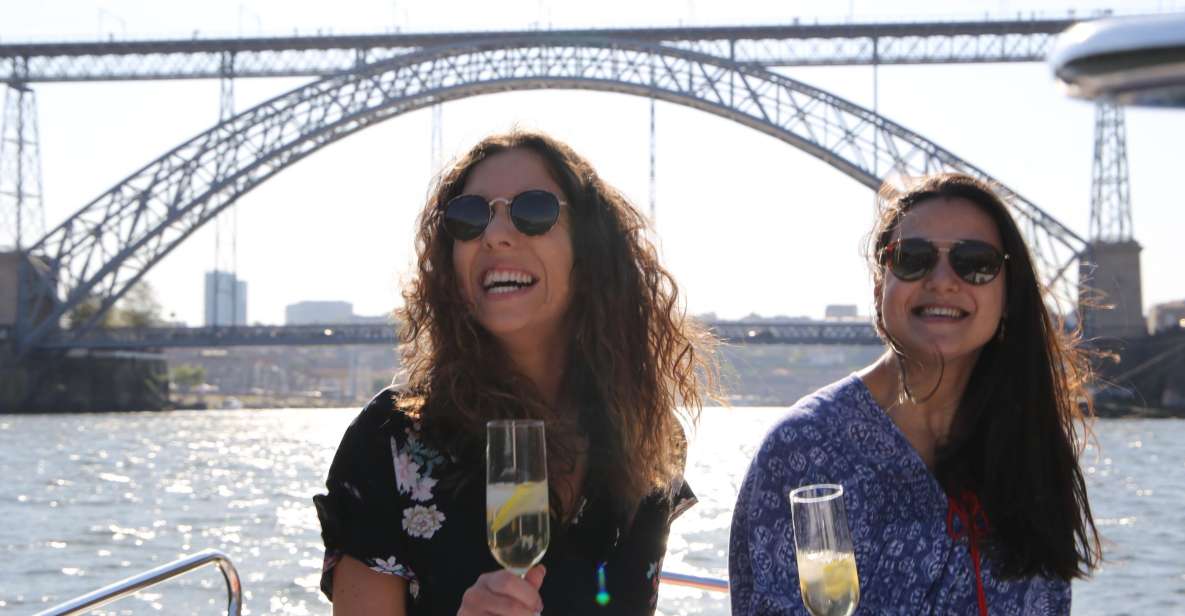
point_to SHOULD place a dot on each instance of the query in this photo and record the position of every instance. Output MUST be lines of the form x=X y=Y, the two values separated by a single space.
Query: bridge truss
x=104 y=248
x=297 y=56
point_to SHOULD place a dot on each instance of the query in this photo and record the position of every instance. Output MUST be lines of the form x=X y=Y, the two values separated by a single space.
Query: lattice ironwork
x=222 y=288
x=1110 y=199
x=335 y=334
x=22 y=212
x=109 y=244
x=770 y=46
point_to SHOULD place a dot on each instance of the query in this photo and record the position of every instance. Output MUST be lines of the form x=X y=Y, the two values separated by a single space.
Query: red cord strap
x=974 y=522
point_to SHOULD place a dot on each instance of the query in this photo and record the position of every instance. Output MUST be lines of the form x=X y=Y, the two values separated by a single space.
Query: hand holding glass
x=826 y=561
x=516 y=493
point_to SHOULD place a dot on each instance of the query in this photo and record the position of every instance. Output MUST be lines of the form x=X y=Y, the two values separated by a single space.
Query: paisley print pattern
x=906 y=561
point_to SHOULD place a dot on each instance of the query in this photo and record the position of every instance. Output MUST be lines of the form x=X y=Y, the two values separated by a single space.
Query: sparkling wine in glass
x=518 y=527
x=823 y=544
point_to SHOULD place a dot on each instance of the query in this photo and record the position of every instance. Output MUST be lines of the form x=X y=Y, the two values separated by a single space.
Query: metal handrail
x=694 y=581
x=152 y=577
x=234 y=589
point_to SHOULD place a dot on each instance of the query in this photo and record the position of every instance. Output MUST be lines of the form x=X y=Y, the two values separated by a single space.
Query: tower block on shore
x=1110 y=294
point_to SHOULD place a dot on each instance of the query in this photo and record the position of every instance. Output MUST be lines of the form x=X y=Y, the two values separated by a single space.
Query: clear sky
x=746 y=222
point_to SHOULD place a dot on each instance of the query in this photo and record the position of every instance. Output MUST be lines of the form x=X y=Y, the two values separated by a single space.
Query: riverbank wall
x=1147 y=380
x=81 y=382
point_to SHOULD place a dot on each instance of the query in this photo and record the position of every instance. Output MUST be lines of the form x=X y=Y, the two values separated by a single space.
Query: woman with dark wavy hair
x=537 y=295
x=957 y=450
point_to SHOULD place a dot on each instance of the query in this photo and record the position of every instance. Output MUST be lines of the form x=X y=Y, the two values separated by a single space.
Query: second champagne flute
x=823 y=545
x=516 y=493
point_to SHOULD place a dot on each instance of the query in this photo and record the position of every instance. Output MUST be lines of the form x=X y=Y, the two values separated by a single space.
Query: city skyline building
x=311 y=312
x=225 y=299
x=1166 y=317
x=316 y=312
x=841 y=312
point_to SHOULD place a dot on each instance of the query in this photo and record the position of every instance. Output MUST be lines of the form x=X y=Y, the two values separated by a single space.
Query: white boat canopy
x=1132 y=60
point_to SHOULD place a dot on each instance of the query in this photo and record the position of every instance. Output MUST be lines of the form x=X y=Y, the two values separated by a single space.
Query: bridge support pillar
x=1111 y=294
x=1110 y=277
x=23 y=303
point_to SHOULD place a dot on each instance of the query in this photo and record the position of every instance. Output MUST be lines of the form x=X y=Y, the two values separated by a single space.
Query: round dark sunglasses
x=533 y=212
x=974 y=262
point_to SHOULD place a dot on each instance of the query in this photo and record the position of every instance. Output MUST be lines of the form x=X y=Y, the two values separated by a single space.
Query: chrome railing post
x=234 y=588
x=152 y=577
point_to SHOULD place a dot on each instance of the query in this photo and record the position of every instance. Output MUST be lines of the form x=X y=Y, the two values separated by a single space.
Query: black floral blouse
x=384 y=507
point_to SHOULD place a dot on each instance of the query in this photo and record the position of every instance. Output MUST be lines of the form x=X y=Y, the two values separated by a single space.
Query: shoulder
x=384 y=422
x=390 y=408
x=821 y=438
x=818 y=416
x=666 y=504
x=840 y=397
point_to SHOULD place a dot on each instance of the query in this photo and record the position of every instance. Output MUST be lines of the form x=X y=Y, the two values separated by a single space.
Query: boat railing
x=694 y=581
x=234 y=589
x=152 y=577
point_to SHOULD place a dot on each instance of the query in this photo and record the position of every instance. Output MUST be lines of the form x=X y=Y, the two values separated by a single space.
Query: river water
x=90 y=499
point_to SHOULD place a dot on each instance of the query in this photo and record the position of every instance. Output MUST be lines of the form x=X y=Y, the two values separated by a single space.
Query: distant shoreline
x=1103 y=409
x=1112 y=410
x=217 y=401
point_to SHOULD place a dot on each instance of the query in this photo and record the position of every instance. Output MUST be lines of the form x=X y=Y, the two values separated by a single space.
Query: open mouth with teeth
x=940 y=312
x=501 y=282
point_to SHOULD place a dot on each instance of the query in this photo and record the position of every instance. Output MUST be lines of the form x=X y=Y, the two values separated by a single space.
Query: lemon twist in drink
x=519 y=529
x=829 y=583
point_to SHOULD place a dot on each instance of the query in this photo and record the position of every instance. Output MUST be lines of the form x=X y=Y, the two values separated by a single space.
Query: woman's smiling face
x=941 y=312
x=518 y=286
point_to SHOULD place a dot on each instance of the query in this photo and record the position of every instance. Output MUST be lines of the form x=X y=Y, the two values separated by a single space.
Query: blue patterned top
x=906 y=560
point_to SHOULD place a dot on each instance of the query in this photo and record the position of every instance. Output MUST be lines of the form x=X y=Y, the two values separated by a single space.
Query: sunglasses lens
x=976 y=262
x=535 y=212
x=466 y=217
x=910 y=259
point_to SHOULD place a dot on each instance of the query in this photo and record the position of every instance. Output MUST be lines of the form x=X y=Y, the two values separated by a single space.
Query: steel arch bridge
x=105 y=247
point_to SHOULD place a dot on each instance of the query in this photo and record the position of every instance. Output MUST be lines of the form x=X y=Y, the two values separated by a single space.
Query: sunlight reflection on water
x=89 y=499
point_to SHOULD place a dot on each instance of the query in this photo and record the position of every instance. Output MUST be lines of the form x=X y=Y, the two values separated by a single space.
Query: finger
x=485 y=603
x=510 y=585
x=479 y=600
x=535 y=576
x=471 y=602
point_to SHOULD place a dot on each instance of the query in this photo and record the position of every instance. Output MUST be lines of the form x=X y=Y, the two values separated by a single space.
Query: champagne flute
x=823 y=544
x=516 y=493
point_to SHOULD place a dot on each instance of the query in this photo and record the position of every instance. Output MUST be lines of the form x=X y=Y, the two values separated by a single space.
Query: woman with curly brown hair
x=957 y=451
x=537 y=296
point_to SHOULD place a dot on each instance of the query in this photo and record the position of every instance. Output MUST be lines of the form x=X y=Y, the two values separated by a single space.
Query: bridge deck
x=795 y=44
x=734 y=332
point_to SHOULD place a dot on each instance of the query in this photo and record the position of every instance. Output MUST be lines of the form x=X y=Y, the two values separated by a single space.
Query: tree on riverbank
x=139 y=307
x=187 y=376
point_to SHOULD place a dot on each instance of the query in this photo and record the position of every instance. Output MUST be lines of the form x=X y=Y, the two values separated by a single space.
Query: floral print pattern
x=406 y=471
x=386 y=508
x=388 y=565
x=423 y=490
x=411 y=458
x=422 y=522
